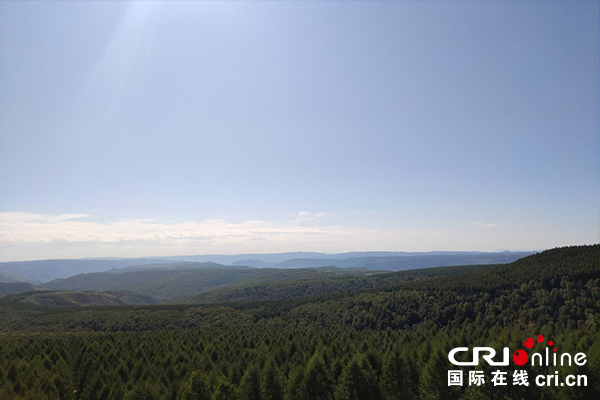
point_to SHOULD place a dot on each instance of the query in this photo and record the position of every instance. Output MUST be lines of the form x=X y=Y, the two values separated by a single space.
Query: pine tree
x=358 y=382
x=395 y=379
x=143 y=391
x=250 y=385
x=316 y=382
x=271 y=386
x=433 y=384
x=195 y=388
x=225 y=391
x=293 y=388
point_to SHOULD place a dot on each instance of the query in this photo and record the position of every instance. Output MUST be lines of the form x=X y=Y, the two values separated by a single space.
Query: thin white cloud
x=40 y=228
x=479 y=224
x=309 y=218
x=27 y=236
x=12 y=218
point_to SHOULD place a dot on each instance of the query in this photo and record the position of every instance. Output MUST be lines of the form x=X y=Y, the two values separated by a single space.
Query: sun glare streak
x=114 y=69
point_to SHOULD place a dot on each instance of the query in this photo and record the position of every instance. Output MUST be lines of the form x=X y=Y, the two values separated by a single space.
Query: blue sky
x=151 y=128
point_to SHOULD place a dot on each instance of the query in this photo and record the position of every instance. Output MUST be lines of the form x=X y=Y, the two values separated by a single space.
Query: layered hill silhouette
x=46 y=270
x=208 y=282
x=42 y=271
x=169 y=282
x=339 y=325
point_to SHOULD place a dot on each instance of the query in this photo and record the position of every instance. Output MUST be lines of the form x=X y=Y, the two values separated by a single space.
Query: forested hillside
x=164 y=283
x=43 y=271
x=319 y=282
x=175 y=281
x=14 y=287
x=373 y=343
x=199 y=283
x=66 y=298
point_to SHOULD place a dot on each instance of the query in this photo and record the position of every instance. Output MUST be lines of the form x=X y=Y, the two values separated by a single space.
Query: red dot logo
x=529 y=343
x=550 y=342
x=520 y=357
x=540 y=338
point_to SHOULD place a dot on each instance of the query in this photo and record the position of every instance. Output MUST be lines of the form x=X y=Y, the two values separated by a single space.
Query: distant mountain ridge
x=275 y=259
x=42 y=271
x=187 y=282
x=389 y=261
x=168 y=283
x=172 y=281
x=14 y=287
x=400 y=263
x=5 y=279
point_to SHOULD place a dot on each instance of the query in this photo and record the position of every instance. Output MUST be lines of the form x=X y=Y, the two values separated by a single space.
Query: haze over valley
x=181 y=279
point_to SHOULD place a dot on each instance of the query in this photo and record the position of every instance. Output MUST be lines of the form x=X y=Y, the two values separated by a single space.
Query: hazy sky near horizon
x=149 y=128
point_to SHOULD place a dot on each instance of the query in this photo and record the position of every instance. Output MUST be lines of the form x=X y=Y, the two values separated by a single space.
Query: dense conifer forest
x=364 y=342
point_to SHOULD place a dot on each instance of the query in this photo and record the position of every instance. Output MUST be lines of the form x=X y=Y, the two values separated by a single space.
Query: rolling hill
x=42 y=271
x=316 y=282
x=405 y=262
x=166 y=282
x=14 y=287
x=173 y=281
x=46 y=270
x=4 y=278
x=83 y=298
x=207 y=282
x=202 y=283
x=372 y=335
